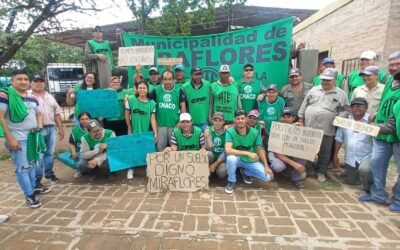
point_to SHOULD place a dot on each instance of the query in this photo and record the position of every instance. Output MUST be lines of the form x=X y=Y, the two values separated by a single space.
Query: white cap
x=224 y=68
x=185 y=117
x=369 y=54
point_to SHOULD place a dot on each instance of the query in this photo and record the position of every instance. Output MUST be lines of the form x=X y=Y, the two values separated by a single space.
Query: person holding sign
x=225 y=96
x=318 y=110
x=179 y=75
x=249 y=89
x=117 y=124
x=93 y=150
x=198 y=94
x=140 y=114
x=154 y=78
x=217 y=133
x=244 y=149
x=357 y=147
x=293 y=167
x=170 y=101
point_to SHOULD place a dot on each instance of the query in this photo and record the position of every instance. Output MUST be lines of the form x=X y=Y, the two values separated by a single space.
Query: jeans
x=47 y=162
x=381 y=153
x=82 y=167
x=220 y=171
x=254 y=169
x=202 y=126
x=24 y=169
x=325 y=154
x=364 y=168
x=164 y=137
x=279 y=166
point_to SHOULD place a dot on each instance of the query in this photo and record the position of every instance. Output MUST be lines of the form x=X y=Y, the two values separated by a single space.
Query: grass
x=331 y=185
x=4 y=156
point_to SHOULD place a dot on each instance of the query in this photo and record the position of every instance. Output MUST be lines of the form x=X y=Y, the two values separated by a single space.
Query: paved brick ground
x=122 y=215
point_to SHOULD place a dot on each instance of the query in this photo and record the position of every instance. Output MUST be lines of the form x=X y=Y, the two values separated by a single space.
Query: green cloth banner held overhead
x=267 y=47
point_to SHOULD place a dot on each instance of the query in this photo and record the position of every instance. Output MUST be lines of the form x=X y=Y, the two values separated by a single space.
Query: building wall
x=346 y=28
x=392 y=42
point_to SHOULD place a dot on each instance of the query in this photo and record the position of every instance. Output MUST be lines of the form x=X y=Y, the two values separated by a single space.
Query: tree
x=19 y=19
x=141 y=10
x=230 y=5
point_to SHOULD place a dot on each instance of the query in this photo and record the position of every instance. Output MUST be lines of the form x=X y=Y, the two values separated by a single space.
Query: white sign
x=360 y=127
x=169 y=61
x=132 y=56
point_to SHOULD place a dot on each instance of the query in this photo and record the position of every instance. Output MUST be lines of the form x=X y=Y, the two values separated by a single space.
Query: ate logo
x=167 y=98
x=210 y=74
x=217 y=142
x=224 y=98
x=270 y=111
x=387 y=106
x=248 y=89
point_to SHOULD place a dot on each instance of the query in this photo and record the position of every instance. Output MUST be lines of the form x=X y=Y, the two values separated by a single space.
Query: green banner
x=267 y=47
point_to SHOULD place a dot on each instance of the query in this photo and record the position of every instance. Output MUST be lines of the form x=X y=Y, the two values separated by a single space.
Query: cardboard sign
x=295 y=141
x=99 y=103
x=360 y=127
x=129 y=151
x=169 y=61
x=131 y=56
x=185 y=171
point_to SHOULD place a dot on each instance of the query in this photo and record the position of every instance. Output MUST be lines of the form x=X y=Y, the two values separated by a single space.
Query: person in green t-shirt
x=217 y=133
x=249 y=89
x=140 y=114
x=198 y=93
x=117 y=124
x=179 y=75
x=328 y=62
x=170 y=101
x=367 y=58
x=93 y=150
x=225 y=96
x=271 y=106
x=244 y=149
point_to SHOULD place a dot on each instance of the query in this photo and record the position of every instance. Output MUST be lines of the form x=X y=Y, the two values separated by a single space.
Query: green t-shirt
x=225 y=99
x=93 y=143
x=271 y=112
x=168 y=106
x=104 y=48
x=188 y=143
x=77 y=132
x=121 y=93
x=318 y=81
x=396 y=114
x=218 y=142
x=390 y=97
x=248 y=92
x=141 y=114
x=248 y=142
x=198 y=101
x=354 y=80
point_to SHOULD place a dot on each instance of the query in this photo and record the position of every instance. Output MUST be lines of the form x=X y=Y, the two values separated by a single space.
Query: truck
x=62 y=76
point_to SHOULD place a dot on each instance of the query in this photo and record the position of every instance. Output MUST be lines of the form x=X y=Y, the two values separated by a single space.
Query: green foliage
x=141 y=10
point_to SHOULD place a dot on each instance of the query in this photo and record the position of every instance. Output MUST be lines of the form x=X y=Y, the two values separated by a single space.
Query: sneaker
x=129 y=174
x=321 y=177
x=3 y=218
x=230 y=187
x=52 y=178
x=298 y=184
x=394 y=207
x=77 y=174
x=32 y=201
x=247 y=179
x=366 y=198
x=41 y=190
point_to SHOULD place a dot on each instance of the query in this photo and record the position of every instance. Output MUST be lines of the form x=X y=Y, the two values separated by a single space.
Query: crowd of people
x=229 y=120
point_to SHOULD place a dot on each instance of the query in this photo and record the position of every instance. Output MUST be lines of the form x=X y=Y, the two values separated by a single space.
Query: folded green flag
x=36 y=145
x=16 y=106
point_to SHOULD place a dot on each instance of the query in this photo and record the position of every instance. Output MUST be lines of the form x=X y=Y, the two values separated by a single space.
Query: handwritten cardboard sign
x=296 y=141
x=185 y=171
x=131 y=56
x=129 y=151
x=99 y=103
x=169 y=61
x=360 y=127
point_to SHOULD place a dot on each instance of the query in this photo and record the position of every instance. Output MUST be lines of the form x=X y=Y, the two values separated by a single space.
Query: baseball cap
x=369 y=54
x=37 y=77
x=195 y=70
x=179 y=67
x=288 y=111
x=185 y=117
x=272 y=87
x=218 y=115
x=294 y=72
x=329 y=74
x=369 y=71
x=254 y=113
x=97 y=29
x=248 y=65
x=328 y=60
x=153 y=69
x=224 y=68
x=94 y=125
x=360 y=101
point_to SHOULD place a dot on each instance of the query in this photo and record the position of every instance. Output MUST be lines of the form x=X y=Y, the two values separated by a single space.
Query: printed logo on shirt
x=167 y=98
x=270 y=111
x=248 y=89
x=224 y=98
x=217 y=142
x=387 y=106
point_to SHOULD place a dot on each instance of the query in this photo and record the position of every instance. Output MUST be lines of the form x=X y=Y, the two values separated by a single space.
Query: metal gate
x=350 y=65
